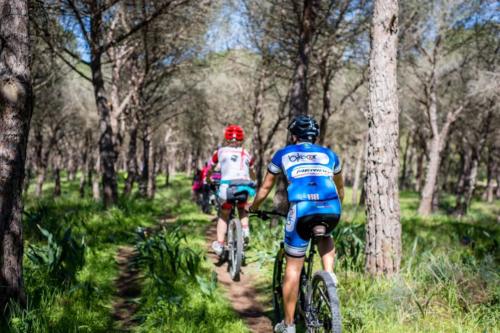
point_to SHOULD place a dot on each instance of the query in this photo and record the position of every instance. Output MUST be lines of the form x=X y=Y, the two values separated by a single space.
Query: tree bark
x=147 y=165
x=463 y=202
x=106 y=144
x=383 y=227
x=299 y=99
x=15 y=115
x=357 y=171
x=131 y=161
x=491 y=170
x=57 y=176
x=96 y=189
x=257 y=117
x=404 y=179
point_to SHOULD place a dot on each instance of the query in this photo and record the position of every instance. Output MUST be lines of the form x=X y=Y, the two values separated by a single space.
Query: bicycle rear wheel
x=235 y=248
x=278 y=274
x=324 y=304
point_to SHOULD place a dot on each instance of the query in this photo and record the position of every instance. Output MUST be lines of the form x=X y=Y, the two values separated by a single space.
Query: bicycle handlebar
x=263 y=214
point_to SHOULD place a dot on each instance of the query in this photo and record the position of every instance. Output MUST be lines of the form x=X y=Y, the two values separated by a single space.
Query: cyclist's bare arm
x=253 y=176
x=264 y=190
x=211 y=170
x=339 y=183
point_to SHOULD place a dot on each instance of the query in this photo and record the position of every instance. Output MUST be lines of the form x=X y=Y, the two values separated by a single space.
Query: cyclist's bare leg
x=291 y=286
x=326 y=250
x=243 y=216
x=222 y=224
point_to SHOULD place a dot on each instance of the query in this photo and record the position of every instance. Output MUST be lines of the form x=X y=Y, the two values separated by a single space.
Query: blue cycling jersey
x=309 y=169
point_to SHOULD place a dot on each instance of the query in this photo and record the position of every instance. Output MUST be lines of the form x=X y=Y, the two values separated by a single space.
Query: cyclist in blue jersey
x=315 y=192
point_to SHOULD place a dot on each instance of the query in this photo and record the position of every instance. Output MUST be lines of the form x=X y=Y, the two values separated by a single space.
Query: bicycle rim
x=324 y=305
x=235 y=249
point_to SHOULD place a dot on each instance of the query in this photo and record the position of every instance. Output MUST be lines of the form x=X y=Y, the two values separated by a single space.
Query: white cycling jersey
x=234 y=163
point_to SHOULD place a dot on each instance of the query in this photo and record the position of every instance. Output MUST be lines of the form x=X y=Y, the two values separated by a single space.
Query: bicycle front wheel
x=235 y=248
x=324 y=304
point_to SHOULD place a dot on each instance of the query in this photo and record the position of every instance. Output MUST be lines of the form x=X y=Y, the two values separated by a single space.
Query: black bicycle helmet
x=304 y=127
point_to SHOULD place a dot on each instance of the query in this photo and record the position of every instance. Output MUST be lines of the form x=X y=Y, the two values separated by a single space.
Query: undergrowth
x=449 y=279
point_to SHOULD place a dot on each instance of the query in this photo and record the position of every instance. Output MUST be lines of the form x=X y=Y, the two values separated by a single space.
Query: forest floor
x=143 y=266
x=243 y=295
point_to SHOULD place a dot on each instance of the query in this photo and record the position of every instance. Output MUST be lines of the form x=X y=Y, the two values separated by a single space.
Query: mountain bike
x=318 y=306
x=233 y=249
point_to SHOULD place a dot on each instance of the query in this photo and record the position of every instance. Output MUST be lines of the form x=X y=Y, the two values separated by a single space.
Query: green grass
x=84 y=303
x=449 y=279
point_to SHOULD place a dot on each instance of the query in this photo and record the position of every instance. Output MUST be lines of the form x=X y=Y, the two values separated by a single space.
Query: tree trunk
x=106 y=145
x=403 y=180
x=57 y=176
x=497 y=192
x=151 y=187
x=463 y=200
x=425 y=207
x=146 y=162
x=85 y=163
x=492 y=169
x=167 y=174
x=299 y=99
x=257 y=115
x=96 y=189
x=27 y=179
x=131 y=161
x=15 y=115
x=383 y=227
x=419 y=171
x=326 y=111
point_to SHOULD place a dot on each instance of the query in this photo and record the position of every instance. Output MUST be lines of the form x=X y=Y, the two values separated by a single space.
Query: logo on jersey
x=292 y=159
x=301 y=157
x=291 y=219
x=309 y=170
x=234 y=158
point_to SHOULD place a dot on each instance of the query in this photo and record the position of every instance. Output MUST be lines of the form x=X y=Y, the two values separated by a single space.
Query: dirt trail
x=128 y=290
x=242 y=294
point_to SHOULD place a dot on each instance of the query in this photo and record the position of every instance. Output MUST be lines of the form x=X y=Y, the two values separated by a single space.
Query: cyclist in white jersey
x=236 y=169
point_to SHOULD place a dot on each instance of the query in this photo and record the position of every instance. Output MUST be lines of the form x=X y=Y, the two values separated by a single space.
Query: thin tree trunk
x=27 y=179
x=131 y=161
x=151 y=181
x=106 y=145
x=357 y=171
x=57 y=176
x=96 y=189
x=146 y=161
x=326 y=111
x=419 y=172
x=425 y=207
x=15 y=115
x=492 y=169
x=383 y=227
x=403 y=180
x=464 y=200
x=299 y=99
x=257 y=116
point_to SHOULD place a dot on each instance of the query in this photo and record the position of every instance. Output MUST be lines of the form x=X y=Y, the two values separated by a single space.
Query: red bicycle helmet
x=234 y=133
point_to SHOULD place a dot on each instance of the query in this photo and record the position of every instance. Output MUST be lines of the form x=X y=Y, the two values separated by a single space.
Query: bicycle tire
x=235 y=242
x=278 y=274
x=323 y=289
